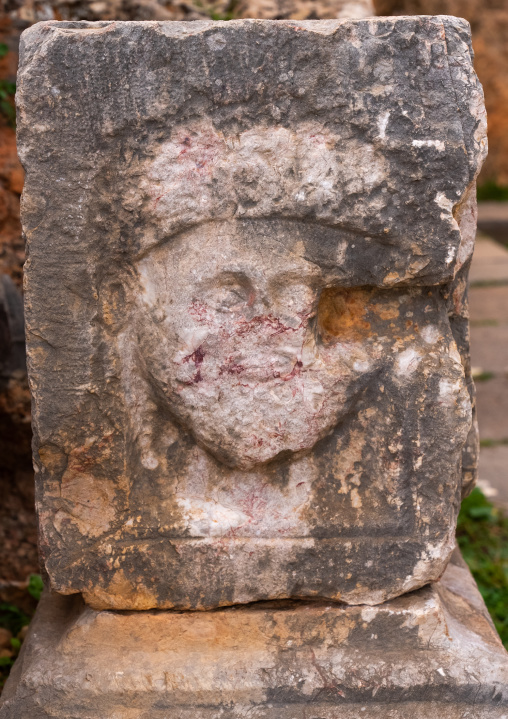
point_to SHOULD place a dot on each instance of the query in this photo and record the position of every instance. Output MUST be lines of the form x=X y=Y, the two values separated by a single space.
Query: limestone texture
x=246 y=303
x=432 y=654
x=489 y=23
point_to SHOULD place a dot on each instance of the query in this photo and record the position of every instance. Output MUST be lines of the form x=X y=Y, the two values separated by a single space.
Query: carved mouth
x=276 y=372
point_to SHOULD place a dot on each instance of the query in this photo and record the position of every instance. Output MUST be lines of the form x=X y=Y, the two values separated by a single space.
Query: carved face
x=254 y=353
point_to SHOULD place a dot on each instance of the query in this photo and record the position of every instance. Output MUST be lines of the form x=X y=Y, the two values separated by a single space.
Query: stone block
x=432 y=654
x=246 y=305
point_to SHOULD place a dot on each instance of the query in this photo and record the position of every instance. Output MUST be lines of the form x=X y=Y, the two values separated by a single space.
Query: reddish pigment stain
x=231 y=368
x=197 y=356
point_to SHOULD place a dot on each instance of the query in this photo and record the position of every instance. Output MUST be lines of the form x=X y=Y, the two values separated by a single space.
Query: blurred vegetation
x=490 y=191
x=15 y=621
x=483 y=376
x=7 y=92
x=493 y=442
x=217 y=12
x=482 y=535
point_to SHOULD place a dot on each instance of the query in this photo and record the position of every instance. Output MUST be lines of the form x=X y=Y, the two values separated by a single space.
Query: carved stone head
x=261 y=386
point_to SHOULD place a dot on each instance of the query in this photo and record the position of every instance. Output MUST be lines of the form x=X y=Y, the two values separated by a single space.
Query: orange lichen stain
x=40 y=354
x=341 y=313
x=113 y=304
x=121 y=592
x=89 y=498
x=387 y=310
x=391 y=279
x=356 y=500
x=213 y=632
x=52 y=457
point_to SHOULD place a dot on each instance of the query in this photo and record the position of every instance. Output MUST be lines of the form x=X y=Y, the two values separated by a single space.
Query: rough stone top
x=368 y=131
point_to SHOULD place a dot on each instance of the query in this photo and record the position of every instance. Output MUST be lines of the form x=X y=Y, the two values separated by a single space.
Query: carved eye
x=230 y=298
x=295 y=297
x=230 y=292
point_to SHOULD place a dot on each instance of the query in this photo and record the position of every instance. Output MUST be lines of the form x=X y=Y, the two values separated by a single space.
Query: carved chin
x=253 y=445
x=255 y=449
x=255 y=425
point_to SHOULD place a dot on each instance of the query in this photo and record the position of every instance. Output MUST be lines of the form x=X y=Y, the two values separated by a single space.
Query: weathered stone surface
x=246 y=242
x=489 y=23
x=432 y=654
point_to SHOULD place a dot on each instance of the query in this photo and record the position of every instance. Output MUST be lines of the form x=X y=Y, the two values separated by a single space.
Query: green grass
x=7 y=91
x=14 y=619
x=482 y=534
x=494 y=442
x=483 y=376
x=490 y=191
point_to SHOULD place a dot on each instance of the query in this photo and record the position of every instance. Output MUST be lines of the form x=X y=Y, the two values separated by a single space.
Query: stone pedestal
x=432 y=654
